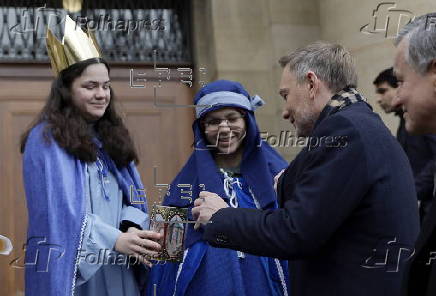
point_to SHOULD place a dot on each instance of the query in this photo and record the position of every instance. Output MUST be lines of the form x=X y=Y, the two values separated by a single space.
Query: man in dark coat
x=415 y=69
x=348 y=215
x=420 y=149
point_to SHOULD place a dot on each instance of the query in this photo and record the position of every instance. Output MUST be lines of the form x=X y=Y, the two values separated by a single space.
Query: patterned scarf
x=344 y=98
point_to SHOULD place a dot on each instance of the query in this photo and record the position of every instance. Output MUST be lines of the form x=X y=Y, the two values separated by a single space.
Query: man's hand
x=276 y=179
x=138 y=243
x=205 y=206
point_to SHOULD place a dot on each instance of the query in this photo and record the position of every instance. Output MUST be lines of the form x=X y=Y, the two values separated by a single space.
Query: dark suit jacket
x=421 y=278
x=348 y=216
x=425 y=183
x=421 y=151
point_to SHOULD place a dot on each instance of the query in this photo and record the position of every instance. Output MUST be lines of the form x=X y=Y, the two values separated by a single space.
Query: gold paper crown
x=76 y=46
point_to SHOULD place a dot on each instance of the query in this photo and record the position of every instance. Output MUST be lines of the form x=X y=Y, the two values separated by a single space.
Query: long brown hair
x=70 y=129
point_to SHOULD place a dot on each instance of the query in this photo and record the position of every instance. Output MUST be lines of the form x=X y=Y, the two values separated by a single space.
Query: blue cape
x=54 y=185
x=219 y=273
x=260 y=162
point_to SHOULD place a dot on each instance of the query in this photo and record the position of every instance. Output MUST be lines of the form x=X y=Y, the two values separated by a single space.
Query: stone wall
x=242 y=40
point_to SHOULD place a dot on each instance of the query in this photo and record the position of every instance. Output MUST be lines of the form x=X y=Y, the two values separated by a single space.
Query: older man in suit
x=420 y=149
x=415 y=68
x=348 y=215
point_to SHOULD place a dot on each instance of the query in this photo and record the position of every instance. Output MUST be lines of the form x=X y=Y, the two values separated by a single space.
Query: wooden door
x=162 y=134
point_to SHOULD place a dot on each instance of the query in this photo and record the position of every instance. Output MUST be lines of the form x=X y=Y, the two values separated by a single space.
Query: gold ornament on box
x=76 y=46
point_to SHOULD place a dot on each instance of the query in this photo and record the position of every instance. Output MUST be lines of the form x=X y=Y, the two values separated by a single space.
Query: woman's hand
x=138 y=243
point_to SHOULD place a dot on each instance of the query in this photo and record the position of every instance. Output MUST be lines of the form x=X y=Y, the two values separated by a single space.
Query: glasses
x=232 y=122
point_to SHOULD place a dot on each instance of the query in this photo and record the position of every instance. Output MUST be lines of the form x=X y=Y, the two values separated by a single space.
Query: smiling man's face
x=298 y=108
x=416 y=93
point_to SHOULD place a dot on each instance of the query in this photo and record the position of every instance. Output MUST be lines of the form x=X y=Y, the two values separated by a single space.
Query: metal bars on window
x=127 y=31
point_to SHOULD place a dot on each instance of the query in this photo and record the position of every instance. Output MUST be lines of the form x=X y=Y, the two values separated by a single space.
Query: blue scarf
x=260 y=163
x=54 y=185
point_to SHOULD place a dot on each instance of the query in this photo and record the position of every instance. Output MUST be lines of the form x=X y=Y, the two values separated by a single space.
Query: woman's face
x=224 y=129
x=91 y=92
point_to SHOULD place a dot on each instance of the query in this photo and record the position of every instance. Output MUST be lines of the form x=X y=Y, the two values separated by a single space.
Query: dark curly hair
x=71 y=131
x=387 y=76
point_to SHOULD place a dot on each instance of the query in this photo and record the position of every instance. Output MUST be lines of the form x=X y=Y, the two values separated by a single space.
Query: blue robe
x=101 y=270
x=54 y=183
x=215 y=272
x=225 y=273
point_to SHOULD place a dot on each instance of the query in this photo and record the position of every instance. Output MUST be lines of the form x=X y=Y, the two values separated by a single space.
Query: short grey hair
x=421 y=34
x=332 y=63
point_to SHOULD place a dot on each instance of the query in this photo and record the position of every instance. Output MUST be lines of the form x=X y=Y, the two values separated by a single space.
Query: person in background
x=420 y=149
x=415 y=69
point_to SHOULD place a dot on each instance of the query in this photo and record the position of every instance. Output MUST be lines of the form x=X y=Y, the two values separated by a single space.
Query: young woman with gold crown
x=79 y=168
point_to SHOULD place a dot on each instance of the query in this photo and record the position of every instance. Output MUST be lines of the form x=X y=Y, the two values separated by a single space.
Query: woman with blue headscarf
x=230 y=160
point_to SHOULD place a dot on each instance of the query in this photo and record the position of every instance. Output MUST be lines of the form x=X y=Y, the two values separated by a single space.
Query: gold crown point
x=76 y=46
